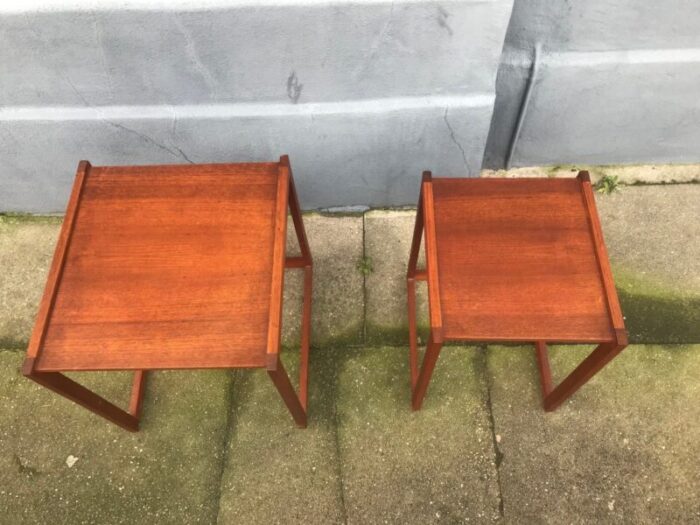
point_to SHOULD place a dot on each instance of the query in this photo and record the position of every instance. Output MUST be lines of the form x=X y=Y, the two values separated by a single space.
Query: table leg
x=284 y=386
x=545 y=370
x=305 y=337
x=554 y=397
x=87 y=398
x=138 y=389
x=432 y=352
x=412 y=331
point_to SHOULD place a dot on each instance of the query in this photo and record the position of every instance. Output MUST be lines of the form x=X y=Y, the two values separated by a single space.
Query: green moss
x=119 y=476
x=349 y=337
x=14 y=345
x=608 y=184
x=365 y=266
x=393 y=335
x=8 y=218
x=654 y=314
x=423 y=458
x=268 y=453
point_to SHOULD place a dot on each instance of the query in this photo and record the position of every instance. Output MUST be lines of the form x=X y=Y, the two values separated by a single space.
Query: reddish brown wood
x=295 y=211
x=168 y=267
x=278 y=263
x=79 y=394
x=431 y=260
x=601 y=252
x=600 y=357
x=284 y=386
x=305 y=337
x=137 y=392
x=543 y=365
x=412 y=331
x=520 y=260
x=517 y=262
x=59 y=259
x=432 y=352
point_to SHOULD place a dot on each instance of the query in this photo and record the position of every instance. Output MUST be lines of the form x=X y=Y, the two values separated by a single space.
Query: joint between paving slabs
x=364 y=280
x=228 y=434
x=339 y=462
x=498 y=455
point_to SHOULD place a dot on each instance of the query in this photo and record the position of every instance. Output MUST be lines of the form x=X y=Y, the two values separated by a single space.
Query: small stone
x=71 y=460
x=498 y=438
x=611 y=505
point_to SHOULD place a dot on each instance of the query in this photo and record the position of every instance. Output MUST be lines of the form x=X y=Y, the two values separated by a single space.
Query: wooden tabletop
x=164 y=267
x=518 y=261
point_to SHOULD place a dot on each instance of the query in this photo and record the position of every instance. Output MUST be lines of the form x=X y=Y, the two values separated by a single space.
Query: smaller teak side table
x=514 y=260
x=171 y=267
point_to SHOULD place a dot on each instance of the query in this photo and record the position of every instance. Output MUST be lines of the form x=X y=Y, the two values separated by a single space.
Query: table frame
x=129 y=419
x=553 y=396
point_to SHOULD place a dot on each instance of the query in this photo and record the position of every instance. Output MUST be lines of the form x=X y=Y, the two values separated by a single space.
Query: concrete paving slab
x=275 y=472
x=626 y=174
x=338 y=296
x=62 y=464
x=26 y=250
x=432 y=466
x=623 y=449
x=388 y=236
x=652 y=234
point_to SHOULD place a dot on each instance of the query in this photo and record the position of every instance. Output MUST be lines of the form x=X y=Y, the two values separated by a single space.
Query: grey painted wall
x=363 y=96
x=617 y=81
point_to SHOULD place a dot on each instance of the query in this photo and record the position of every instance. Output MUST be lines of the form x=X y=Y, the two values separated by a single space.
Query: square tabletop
x=517 y=261
x=165 y=267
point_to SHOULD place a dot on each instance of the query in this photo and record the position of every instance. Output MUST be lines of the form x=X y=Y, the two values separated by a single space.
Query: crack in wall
x=179 y=154
x=148 y=139
x=454 y=139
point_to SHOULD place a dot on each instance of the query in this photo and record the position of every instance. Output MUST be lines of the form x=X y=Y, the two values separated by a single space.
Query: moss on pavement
x=61 y=464
x=624 y=449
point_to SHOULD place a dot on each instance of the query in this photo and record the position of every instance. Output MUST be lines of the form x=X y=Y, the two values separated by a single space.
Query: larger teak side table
x=514 y=260
x=171 y=267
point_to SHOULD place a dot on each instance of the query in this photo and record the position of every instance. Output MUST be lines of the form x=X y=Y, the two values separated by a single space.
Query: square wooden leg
x=284 y=386
x=87 y=398
x=297 y=405
x=412 y=331
x=432 y=352
x=553 y=397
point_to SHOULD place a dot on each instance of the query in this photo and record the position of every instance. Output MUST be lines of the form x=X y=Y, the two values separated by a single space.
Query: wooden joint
x=621 y=337
x=421 y=275
x=272 y=362
x=296 y=262
x=28 y=367
x=545 y=370
x=584 y=176
x=436 y=334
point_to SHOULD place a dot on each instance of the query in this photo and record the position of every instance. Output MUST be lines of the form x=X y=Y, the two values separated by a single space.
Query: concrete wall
x=363 y=96
x=616 y=81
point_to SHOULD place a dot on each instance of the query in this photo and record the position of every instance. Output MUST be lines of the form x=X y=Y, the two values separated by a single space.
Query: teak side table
x=514 y=260
x=171 y=267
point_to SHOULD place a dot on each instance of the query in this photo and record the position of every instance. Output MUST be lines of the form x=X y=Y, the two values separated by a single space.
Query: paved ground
x=219 y=446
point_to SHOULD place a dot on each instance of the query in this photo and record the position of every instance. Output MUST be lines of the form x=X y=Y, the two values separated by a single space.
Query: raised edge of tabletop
x=431 y=258
x=278 y=264
x=56 y=269
x=601 y=252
